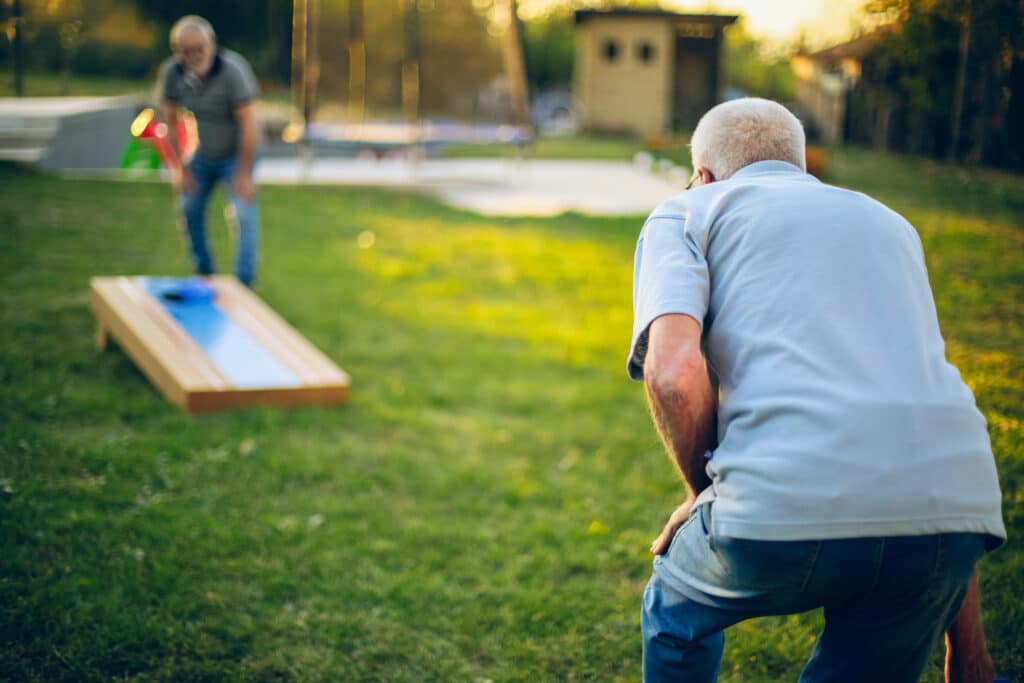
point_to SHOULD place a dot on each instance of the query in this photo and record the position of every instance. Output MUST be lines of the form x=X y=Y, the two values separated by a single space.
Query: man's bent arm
x=245 y=114
x=683 y=402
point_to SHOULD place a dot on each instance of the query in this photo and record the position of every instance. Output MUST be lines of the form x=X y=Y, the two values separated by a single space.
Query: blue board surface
x=231 y=349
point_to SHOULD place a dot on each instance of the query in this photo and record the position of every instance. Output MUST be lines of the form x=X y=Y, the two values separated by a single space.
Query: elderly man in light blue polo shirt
x=788 y=340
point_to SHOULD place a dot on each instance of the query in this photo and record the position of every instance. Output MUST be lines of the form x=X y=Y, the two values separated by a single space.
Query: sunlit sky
x=823 y=21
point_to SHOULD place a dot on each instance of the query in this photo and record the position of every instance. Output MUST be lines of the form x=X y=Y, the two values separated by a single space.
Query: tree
x=753 y=69
x=955 y=68
x=515 y=67
x=16 y=40
x=261 y=29
x=549 y=50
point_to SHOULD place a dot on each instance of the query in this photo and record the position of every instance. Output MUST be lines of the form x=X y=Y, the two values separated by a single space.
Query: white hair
x=189 y=23
x=737 y=133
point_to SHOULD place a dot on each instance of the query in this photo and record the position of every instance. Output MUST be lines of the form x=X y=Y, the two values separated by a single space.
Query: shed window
x=610 y=50
x=645 y=52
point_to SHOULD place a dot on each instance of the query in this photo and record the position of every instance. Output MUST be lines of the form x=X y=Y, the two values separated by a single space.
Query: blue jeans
x=887 y=600
x=243 y=217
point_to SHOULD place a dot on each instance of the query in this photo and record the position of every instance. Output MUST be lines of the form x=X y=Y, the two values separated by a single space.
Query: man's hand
x=243 y=186
x=248 y=136
x=680 y=515
x=184 y=181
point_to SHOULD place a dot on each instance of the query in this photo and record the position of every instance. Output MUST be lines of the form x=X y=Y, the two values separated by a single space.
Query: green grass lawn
x=598 y=147
x=481 y=507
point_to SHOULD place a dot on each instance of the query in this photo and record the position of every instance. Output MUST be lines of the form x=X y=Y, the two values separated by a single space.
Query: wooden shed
x=647 y=71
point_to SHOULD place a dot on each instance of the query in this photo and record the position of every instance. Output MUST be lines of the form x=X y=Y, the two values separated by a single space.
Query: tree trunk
x=959 y=85
x=980 y=122
x=305 y=58
x=300 y=31
x=411 y=76
x=515 y=68
x=311 y=72
x=356 y=63
x=19 y=62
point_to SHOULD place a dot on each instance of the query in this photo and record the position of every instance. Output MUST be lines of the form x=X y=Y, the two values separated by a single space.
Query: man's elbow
x=676 y=380
x=250 y=137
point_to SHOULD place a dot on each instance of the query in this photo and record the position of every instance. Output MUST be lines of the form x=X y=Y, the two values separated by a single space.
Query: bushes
x=115 y=60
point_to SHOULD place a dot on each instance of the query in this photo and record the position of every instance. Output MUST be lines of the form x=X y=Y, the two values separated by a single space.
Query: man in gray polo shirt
x=788 y=340
x=218 y=87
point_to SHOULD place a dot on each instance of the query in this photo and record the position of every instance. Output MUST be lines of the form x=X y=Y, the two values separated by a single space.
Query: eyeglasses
x=192 y=50
x=696 y=176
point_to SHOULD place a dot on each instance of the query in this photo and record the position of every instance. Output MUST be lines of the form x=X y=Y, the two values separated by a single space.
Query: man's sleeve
x=670 y=275
x=243 y=84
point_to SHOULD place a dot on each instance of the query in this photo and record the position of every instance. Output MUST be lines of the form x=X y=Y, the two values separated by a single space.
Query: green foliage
x=549 y=50
x=91 y=37
x=259 y=29
x=481 y=507
x=912 y=75
x=755 y=70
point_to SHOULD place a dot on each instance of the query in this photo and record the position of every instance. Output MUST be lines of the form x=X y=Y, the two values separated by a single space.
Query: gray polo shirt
x=839 y=415
x=229 y=83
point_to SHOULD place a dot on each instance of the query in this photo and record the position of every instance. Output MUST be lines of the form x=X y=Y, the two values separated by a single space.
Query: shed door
x=696 y=88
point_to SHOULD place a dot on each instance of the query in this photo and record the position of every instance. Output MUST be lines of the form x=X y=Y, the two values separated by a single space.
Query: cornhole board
x=225 y=350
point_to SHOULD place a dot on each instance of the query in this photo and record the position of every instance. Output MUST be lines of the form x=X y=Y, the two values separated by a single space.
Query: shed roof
x=719 y=20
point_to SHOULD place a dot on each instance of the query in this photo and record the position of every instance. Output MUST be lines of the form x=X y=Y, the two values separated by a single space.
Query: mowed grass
x=481 y=507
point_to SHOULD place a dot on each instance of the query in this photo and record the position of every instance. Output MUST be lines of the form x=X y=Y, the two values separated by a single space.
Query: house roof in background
x=857 y=48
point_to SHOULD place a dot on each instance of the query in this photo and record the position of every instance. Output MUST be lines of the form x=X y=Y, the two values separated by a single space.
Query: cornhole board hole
x=211 y=344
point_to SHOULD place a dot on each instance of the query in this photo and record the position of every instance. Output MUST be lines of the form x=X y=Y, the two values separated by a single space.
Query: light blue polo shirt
x=839 y=415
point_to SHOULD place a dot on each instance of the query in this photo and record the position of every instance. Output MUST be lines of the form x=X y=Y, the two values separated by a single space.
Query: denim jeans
x=887 y=600
x=243 y=218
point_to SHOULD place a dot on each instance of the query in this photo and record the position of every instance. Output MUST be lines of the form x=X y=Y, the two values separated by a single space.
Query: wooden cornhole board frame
x=177 y=365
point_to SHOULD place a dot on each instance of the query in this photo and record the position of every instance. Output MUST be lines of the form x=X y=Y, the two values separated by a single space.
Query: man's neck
x=208 y=70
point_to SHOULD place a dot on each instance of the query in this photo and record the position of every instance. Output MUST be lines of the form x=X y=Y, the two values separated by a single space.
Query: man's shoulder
x=239 y=74
x=796 y=186
x=674 y=207
x=797 y=191
x=861 y=201
x=234 y=60
x=170 y=68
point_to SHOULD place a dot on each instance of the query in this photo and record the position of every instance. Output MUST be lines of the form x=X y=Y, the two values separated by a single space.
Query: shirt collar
x=195 y=82
x=763 y=168
x=218 y=64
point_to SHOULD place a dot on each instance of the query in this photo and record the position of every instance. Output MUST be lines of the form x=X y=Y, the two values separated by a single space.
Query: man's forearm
x=683 y=402
x=246 y=148
x=684 y=412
